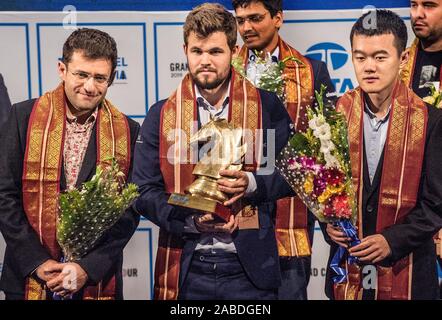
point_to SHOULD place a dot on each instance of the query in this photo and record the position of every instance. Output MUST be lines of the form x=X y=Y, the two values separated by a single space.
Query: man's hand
x=236 y=188
x=338 y=236
x=372 y=249
x=71 y=279
x=48 y=270
x=206 y=224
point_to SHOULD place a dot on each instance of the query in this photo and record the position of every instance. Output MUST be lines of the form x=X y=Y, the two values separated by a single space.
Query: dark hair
x=94 y=44
x=381 y=22
x=273 y=6
x=208 y=18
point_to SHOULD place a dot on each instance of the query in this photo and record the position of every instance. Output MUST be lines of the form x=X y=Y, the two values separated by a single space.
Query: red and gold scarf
x=42 y=170
x=178 y=114
x=403 y=157
x=291 y=215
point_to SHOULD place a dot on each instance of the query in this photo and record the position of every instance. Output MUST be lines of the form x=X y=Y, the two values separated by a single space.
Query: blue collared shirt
x=375 y=134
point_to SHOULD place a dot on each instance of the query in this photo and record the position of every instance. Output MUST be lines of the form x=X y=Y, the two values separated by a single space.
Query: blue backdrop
x=168 y=5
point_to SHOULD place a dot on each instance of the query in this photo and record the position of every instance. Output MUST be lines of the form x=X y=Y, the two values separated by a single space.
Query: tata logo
x=335 y=57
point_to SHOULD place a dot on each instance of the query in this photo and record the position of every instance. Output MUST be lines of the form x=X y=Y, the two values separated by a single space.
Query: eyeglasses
x=253 y=19
x=84 y=76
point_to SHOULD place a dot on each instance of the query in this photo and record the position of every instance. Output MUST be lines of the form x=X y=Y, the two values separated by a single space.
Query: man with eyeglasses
x=54 y=143
x=259 y=22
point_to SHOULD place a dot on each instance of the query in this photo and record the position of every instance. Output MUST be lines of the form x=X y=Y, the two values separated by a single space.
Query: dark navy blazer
x=257 y=249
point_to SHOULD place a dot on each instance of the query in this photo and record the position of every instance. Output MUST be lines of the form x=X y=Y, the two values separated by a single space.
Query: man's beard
x=205 y=84
x=430 y=37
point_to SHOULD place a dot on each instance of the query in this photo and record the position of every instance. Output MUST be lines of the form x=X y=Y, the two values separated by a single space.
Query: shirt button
x=369 y=208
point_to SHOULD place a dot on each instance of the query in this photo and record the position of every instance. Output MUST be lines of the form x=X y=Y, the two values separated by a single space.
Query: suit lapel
x=90 y=159
x=378 y=174
x=366 y=175
x=62 y=177
x=371 y=187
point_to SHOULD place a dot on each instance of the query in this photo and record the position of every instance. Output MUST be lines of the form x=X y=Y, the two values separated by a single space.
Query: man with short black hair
x=395 y=150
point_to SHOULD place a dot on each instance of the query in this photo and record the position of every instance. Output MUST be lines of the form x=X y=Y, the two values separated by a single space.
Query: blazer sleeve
x=21 y=239
x=322 y=76
x=425 y=219
x=152 y=202
x=5 y=103
x=103 y=257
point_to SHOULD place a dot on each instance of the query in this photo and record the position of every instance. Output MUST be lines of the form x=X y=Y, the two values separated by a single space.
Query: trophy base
x=200 y=203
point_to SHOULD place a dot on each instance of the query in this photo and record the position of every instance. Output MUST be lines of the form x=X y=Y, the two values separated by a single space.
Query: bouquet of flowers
x=265 y=73
x=86 y=214
x=316 y=164
x=435 y=97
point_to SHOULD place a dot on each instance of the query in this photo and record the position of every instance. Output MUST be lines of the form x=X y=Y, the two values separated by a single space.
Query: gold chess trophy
x=226 y=153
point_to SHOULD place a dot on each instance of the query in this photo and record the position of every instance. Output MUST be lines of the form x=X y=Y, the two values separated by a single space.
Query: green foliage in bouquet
x=269 y=74
x=435 y=97
x=310 y=145
x=84 y=215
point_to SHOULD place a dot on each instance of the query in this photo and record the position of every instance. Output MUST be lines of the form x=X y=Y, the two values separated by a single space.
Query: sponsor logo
x=178 y=69
x=335 y=57
x=318 y=272
x=130 y=272
x=121 y=70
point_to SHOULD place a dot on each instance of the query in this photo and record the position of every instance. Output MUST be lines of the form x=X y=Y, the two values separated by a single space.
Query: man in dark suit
x=259 y=22
x=395 y=150
x=5 y=103
x=54 y=144
x=199 y=256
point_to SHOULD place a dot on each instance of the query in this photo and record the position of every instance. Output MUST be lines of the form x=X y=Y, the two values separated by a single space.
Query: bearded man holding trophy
x=215 y=212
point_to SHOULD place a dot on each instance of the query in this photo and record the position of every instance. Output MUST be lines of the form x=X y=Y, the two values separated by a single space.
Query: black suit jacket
x=5 y=103
x=322 y=76
x=257 y=248
x=415 y=233
x=24 y=253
